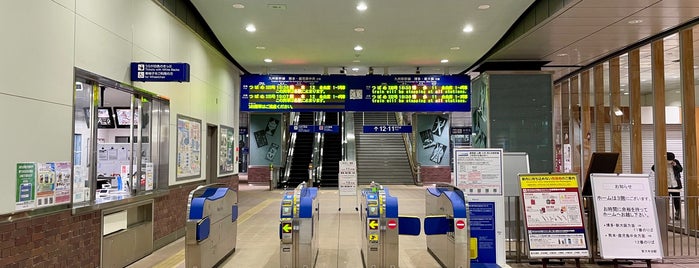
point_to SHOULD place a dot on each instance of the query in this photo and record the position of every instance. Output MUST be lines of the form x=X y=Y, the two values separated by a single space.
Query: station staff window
x=120 y=141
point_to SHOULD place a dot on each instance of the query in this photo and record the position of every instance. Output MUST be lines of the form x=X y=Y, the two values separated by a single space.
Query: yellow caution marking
x=474 y=248
x=177 y=258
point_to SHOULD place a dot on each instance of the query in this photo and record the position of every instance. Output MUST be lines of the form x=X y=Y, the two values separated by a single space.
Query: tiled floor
x=339 y=244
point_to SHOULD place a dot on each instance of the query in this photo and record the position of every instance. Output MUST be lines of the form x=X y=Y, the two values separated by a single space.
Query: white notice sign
x=347 y=178
x=478 y=171
x=626 y=216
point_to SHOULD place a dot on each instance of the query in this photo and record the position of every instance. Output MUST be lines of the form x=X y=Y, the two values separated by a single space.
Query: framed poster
x=478 y=171
x=626 y=216
x=553 y=216
x=188 y=147
x=226 y=150
x=125 y=117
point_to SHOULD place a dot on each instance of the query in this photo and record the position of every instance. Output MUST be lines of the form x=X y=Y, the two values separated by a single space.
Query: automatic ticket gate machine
x=298 y=227
x=446 y=226
x=382 y=225
x=211 y=227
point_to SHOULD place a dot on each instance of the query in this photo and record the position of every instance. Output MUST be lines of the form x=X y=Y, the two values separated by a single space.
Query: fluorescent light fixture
x=468 y=28
x=361 y=6
x=562 y=54
x=355 y=69
x=483 y=7
x=444 y=61
x=355 y=61
x=618 y=112
x=260 y=47
x=238 y=6
x=358 y=48
x=454 y=48
x=250 y=28
x=359 y=29
x=268 y=60
x=635 y=21
x=626 y=93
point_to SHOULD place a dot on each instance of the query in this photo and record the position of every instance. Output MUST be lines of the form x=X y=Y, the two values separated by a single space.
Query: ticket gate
x=382 y=225
x=211 y=228
x=298 y=227
x=446 y=226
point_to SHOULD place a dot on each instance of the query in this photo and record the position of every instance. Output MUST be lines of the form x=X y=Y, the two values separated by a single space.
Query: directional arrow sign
x=373 y=224
x=373 y=237
x=286 y=227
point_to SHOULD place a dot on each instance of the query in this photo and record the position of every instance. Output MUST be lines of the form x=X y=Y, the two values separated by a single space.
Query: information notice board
x=478 y=171
x=553 y=216
x=626 y=216
x=347 y=178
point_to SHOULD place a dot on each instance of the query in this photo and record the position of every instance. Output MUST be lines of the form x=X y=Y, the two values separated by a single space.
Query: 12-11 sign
x=388 y=129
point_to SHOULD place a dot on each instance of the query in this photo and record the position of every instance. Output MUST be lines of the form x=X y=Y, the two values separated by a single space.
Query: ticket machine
x=298 y=227
x=446 y=226
x=211 y=228
x=382 y=225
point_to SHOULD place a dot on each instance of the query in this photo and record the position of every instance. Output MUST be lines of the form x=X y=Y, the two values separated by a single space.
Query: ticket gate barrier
x=298 y=227
x=446 y=226
x=382 y=225
x=211 y=227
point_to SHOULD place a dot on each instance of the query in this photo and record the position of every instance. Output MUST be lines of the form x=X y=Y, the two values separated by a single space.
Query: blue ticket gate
x=446 y=226
x=382 y=225
x=298 y=226
x=211 y=228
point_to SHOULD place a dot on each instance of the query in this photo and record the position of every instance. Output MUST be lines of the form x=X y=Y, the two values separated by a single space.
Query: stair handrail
x=315 y=156
x=290 y=145
x=349 y=144
x=409 y=149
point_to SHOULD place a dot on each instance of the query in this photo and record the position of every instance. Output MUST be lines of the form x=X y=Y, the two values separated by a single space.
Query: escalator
x=332 y=152
x=302 y=154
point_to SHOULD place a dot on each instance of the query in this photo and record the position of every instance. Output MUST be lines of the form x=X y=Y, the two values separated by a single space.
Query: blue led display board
x=159 y=72
x=305 y=93
x=387 y=129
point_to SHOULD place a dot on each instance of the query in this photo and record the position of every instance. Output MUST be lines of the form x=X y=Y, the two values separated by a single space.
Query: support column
x=635 y=110
x=615 y=109
x=689 y=125
x=600 y=116
x=586 y=121
x=575 y=123
x=660 y=140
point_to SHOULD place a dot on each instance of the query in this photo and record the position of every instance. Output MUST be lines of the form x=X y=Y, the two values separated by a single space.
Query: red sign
x=460 y=224
x=392 y=224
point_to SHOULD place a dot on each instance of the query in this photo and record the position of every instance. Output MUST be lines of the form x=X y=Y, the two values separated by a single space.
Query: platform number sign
x=373 y=224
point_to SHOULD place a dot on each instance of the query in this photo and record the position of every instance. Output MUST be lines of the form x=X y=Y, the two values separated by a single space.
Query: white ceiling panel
x=615 y=3
x=596 y=12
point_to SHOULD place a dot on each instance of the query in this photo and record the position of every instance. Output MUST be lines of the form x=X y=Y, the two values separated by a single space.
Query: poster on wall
x=433 y=139
x=626 y=216
x=266 y=138
x=149 y=176
x=62 y=186
x=45 y=184
x=553 y=216
x=478 y=171
x=226 y=150
x=26 y=183
x=188 y=147
x=479 y=112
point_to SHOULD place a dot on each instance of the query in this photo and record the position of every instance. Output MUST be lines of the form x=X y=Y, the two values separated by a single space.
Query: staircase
x=332 y=152
x=303 y=150
x=380 y=157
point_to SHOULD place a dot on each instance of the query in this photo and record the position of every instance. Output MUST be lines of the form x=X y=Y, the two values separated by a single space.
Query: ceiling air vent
x=277 y=6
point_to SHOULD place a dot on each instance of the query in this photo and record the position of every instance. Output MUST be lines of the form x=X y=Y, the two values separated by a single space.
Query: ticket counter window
x=117 y=146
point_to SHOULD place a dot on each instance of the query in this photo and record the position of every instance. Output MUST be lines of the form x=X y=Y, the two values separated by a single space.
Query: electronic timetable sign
x=286 y=93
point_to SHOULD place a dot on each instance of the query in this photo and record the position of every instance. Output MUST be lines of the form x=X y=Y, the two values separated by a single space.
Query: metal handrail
x=290 y=146
x=407 y=140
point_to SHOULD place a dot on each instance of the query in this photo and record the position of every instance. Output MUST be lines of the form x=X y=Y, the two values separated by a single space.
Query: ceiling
x=310 y=36
x=306 y=36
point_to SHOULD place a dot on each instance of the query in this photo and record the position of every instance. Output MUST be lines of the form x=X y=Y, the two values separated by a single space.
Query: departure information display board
x=286 y=93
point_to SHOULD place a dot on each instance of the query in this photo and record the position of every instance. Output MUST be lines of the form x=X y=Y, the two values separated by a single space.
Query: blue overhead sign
x=397 y=93
x=314 y=129
x=388 y=129
x=159 y=72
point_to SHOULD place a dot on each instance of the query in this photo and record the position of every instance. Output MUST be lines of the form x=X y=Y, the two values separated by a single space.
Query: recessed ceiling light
x=355 y=69
x=238 y=5
x=562 y=54
x=250 y=28
x=468 y=29
x=635 y=21
x=355 y=61
x=444 y=61
x=268 y=60
x=483 y=7
x=260 y=47
x=358 y=48
x=454 y=48
x=361 y=6
x=359 y=29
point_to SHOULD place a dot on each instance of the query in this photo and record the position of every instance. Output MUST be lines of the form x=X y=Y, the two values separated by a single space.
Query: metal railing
x=407 y=139
x=680 y=235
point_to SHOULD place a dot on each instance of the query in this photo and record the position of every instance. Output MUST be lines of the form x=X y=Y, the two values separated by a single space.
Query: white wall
x=44 y=40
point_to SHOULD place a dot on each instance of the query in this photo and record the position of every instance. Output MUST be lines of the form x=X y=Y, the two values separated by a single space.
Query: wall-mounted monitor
x=124 y=118
x=105 y=118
